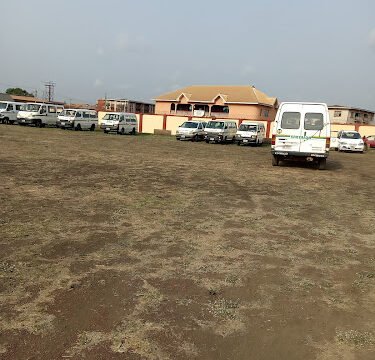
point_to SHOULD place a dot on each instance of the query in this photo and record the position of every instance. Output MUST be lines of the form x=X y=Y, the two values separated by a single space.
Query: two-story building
x=125 y=105
x=237 y=102
x=350 y=115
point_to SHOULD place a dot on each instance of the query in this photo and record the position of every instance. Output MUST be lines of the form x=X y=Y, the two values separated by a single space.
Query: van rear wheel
x=78 y=128
x=133 y=131
x=275 y=160
x=122 y=131
x=92 y=128
x=322 y=164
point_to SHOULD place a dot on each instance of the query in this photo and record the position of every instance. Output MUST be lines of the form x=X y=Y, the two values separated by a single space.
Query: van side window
x=86 y=115
x=51 y=109
x=290 y=120
x=18 y=107
x=314 y=121
x=78 y=114
x=92 y=116
x=43 y=110
x=122 y=118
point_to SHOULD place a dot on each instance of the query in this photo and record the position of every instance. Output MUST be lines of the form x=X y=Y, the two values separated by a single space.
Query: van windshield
x=111 y=117
x=30 y=107
x=215 y=125
x=189 y=125
x=350 y=135
x=68 y=113
x=3 y=105
x=248 y=127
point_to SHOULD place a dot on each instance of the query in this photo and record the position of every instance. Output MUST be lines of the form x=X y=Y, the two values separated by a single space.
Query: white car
x=350 y=141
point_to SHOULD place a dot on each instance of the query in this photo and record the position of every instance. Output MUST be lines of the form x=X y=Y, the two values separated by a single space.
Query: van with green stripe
x=301 y=131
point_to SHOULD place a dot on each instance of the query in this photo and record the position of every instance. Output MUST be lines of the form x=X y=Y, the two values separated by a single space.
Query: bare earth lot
x=121 y=247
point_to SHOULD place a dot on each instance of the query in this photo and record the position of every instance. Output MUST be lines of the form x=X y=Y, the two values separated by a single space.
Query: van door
x=315 y=129
x=51 y=116
x=289 y=129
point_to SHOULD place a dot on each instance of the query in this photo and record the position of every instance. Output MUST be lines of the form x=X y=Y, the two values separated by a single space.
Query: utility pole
x=49 y=89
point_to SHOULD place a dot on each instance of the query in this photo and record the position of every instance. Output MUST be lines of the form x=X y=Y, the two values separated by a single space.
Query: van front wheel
x=275 y=160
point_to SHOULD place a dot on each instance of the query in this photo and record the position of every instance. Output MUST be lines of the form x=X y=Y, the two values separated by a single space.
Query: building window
x=219 y=109
x=173 y=107
x=351 y=114
x=265 y=112
x=337 y=114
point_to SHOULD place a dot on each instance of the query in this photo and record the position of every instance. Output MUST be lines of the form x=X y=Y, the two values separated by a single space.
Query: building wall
x=240 y=111
x=162 y=107
x=124 y=106
x=348 y=116
x=152 y=122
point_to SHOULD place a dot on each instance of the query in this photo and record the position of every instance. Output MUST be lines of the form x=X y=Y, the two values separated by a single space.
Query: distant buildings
x=125 y=105
x=26 y=99
x=238 y=102
x=350 y=115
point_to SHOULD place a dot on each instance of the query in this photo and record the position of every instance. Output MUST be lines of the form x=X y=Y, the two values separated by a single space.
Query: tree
x=18 y=92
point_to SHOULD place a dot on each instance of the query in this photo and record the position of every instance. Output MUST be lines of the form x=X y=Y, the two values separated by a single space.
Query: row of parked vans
x=222 y=131
x=41 y=115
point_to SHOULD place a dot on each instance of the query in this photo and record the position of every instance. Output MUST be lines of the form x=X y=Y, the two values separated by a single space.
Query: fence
x=148 y=123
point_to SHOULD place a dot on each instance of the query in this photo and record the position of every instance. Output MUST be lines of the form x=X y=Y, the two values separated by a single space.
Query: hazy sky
x=317 y=50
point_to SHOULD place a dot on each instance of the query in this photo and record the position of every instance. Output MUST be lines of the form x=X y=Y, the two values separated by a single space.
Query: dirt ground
x=142 y=247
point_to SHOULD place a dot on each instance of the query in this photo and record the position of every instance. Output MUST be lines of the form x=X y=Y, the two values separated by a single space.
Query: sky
x=295 y=50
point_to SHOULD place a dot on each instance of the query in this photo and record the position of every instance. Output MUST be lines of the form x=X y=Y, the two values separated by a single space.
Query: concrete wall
x=152 y=122
x=366 y=130
x=173 y=122
x=149 y=122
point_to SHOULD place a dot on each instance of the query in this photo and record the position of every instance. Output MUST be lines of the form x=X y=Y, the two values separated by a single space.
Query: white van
x=301 y=132
x=191 y=130
x=220 y=131
x=251 y=132
x=121 y=123
x=38 y=114
x=9 y=111
x=78 y=119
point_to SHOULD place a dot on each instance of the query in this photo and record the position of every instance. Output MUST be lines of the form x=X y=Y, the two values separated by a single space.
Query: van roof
x=223 y=120
x=302 y=103
x=10 y=102
x=79 y=109
x=249 y=122
x=119 y=113
x=37 y=103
